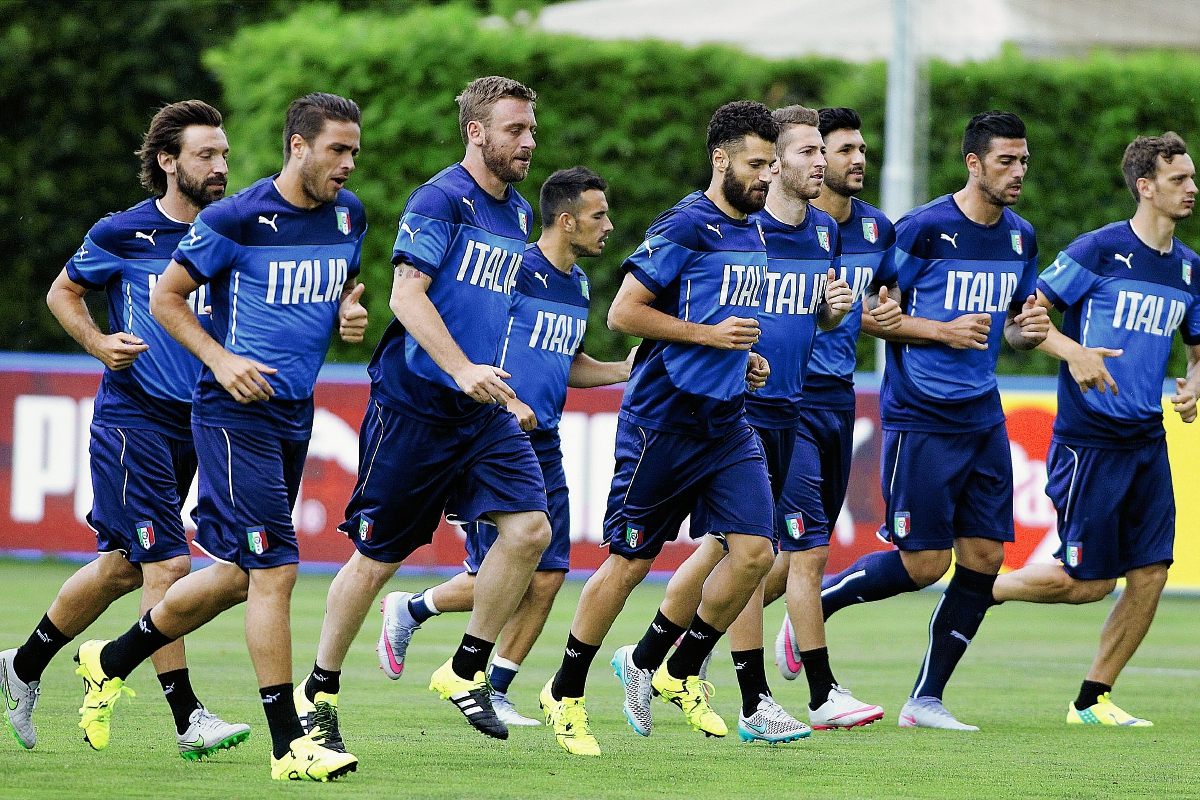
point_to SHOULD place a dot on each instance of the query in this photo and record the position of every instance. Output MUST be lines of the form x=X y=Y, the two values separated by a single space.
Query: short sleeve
x=1070 y=277
x=902 y=259
x=426 y=230
x=657 y=262
x=92 y=266
x=203 y=252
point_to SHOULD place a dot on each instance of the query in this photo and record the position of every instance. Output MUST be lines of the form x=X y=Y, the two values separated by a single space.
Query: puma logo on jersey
x=147 y=236
x=649 y=249
x=412 y=235
x=1127 y=259
x=195 y=236
x=264 y=221
x=82 y=251
x=542 y=278
x=714 y=228
x=951 y=239
x=470 y=204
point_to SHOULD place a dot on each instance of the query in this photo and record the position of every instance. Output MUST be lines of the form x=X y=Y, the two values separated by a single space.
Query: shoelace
x=575 y=719
x=325 y=722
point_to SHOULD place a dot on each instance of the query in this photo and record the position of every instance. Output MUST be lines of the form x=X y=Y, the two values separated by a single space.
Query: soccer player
x=802 y=293
x=1123 y=290
x=436 y=425
x=820 y=469
x=692 y=292
x=542 y=351
x=966 y=266
x=142 y=457
x=281 y=257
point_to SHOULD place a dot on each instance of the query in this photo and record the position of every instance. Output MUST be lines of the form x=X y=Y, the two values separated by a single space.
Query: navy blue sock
x=955 y=622
x=501 y=674
x=421 y=608
x=875 y=576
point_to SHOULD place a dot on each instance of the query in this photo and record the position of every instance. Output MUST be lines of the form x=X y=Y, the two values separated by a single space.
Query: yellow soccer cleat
x=100 y=694
x=319 y=714
x=307 y=760
x=691 y=695
x=569 y=719
x=1104 y=712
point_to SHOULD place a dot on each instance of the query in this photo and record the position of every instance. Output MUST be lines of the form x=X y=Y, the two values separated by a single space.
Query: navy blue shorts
x=660 y=478
x=481 y=535
x=817 y=479
x=939 y=487
x=1116 y=508
x=140 y=479
x=249 y=480
x=409 y=470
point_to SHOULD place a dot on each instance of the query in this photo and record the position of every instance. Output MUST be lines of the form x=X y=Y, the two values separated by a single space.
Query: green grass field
x=1015 y=682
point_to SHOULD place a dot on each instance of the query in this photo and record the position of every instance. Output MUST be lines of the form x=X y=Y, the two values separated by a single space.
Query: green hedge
x=636 y=112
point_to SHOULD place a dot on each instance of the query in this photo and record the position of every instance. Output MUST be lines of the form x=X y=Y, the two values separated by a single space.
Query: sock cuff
x=504 y=663
x=427 y=598
x=814 y=654
x=279 y=693
x=702 y=628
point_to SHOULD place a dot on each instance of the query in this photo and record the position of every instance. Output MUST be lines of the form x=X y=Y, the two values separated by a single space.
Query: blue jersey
x=472 y=246
x=704 y=267
x=1116 y=292
x=865 y=237
x=946 y=266
x=545 y=329
x=124 y=254
x=799 y=258
x=275 y=275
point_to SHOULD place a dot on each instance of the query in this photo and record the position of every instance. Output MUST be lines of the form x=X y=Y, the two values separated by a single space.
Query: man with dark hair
x=436 y=426
x=142 y=456
x=542 y=349
x=692 y=293
x=947 y=471
x=281 y=256
x=1124 y=290
x=820 y=467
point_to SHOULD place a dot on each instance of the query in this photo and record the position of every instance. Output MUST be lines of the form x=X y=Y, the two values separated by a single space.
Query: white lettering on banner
x=44 y=453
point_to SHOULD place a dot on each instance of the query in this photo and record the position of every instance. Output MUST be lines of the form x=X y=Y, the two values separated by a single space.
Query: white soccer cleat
x=20 y=699
x=841 y=710
x=928 y=712
x=398 y=629
x=207 y=733
x=508 y=713
x=637 y=690
x=770 y=723
x=787 y=654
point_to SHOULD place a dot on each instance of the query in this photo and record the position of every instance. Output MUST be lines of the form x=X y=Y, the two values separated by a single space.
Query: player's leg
x=517 y=640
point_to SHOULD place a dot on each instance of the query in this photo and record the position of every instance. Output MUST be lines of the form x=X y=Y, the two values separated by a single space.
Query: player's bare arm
x=838 y=300
x=881 y=312
x=1027 y=325
x=352 y=315
x=410 y=303
x=1086 y=364
x=587 y=372
x=632 y=314
x=115 y=350
x=244 y=378
x=757 y=371
x=966 y=332
x=1188 y=389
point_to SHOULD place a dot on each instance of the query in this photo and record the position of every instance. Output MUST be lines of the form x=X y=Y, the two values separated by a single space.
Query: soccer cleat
x=569 y=719
x=637 y=690
x=20 y=699
x=691 y=696
x=398 y=629
x=472 y=698
x=320 y=713
x=508 y=714
x=1104 y=712
x=928 y=712
x=787 y=654
x=770 y=723
x=841 y=710
x=207 y=733
x=307 y=760
x=100 y=694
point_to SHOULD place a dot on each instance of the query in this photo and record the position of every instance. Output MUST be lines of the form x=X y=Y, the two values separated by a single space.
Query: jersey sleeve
x=903 y=259
x=1071 y=275
x=426 y=230
x=657 y=262
x=1028 y=280
x=207 y=250
x=93 y=265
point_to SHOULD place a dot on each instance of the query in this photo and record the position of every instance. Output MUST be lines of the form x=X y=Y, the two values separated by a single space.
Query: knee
x=754 y=554
x=544 y=586
x=164 y=573
x=121 y=575
x=629 y=572
x=529 y=532
x=809 y=564
x=1152 y=578
x=926 y=567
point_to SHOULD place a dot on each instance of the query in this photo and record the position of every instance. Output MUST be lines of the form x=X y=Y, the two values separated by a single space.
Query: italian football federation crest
x=870 y=230
x=901 y=524
x=343 y=219
x=1017 y=245
x=585 y=289
x=256 y=538
x=523 y=221
x=1074 y=554
x=795 y=526
x=823 y=237
x=633 y=536
x=1187 y=272
x=145 y=534
x=366 y=526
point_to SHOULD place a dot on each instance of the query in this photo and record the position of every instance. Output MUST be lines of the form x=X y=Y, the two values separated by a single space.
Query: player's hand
x=119 y=350
x=732 y=333
x=838 y=295
x=887 y=314
x=757 y=372
x=524 y=414
x=1184 y=400
x=628 y=363
x=968 y=332
x=1034 y=321
x=1088 y=369
x=485 y=384
x=244 y=379
x=352 y=316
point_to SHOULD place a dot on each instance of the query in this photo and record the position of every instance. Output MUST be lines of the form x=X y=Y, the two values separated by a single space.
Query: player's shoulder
x=861 y=210
x=1016 y=222
x=823 y=219
x=115 y=232
x=678 y=223
x=1088 y=245
x=227 y=216
x=440 y=196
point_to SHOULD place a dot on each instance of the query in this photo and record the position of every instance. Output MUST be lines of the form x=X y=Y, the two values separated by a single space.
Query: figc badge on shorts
x=145 y=534
x=901 y=524
x=256 y=537
x=633 y=536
